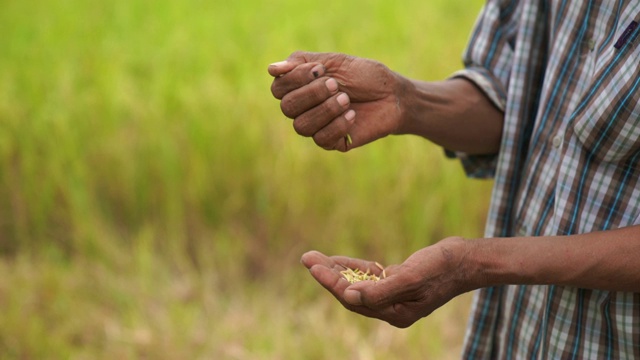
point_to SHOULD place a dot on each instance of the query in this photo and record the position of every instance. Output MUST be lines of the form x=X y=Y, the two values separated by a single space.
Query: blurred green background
x=154 y=202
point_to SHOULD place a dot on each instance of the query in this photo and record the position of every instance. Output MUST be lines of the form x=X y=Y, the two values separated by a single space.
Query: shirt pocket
x=607 y=120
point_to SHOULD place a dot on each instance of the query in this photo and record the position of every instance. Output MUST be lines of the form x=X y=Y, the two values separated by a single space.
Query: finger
x=337 y=285
x=330 y=279
x=335 y=136
x=339 y=288
x=281 y=67
x=297 y=58
x=398 y=315
x=313 y=257
x=310 y=122
x=333 y=281
x=299 y=76
x=393 y=289
x=339 y=263
x=307 y=97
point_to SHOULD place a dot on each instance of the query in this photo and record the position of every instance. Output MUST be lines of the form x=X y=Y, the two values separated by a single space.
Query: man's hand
x=341 y=101
x=604 y=260
x=410 y=291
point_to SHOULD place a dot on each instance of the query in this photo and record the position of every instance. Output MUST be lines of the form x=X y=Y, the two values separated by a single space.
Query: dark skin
x=412 y=290
x=316 y=110
x=382 y=103
x=457 y=115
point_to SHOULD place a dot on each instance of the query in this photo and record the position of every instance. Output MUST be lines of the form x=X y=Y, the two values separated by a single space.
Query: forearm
x=454 y=114
x=606 y=260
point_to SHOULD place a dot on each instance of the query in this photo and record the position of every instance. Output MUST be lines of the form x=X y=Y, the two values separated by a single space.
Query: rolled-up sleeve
x=487 y=63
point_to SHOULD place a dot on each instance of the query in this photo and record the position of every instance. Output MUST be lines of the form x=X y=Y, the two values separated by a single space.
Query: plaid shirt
x=567 y=75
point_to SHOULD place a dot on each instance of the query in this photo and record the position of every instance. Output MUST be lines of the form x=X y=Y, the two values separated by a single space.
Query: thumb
x=295 y=59
x=352 y=296
x=282 y=67
x=380 y=294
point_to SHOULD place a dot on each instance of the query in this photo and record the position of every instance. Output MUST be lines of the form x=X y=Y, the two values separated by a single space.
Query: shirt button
x=556 y=141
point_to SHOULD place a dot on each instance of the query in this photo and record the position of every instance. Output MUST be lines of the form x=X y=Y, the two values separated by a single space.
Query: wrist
x=452 y=113
x=466 y=263
x=405 y=91
x=503 y=261
x=418 y=103
x=480 y=263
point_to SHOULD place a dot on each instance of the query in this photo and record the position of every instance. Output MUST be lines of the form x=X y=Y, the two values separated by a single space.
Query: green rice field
x=154 y=202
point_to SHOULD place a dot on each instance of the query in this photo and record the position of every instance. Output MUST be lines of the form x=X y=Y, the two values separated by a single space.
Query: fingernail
x=350 y=115
x=278 y=64
x=317 y=71
x=343 y=99
x=331 y=84
x=353 y=297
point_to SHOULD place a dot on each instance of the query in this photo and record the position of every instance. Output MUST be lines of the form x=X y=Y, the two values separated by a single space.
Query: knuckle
x=288 y=108
x=322 y=141
x=275 y=90
x=302 y=127
x=296 y=54
x=379 y=67
x=327 y=109
x=331 y=137
x=402 y=324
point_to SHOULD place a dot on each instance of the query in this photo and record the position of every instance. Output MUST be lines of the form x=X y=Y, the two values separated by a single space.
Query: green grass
x=154 y=202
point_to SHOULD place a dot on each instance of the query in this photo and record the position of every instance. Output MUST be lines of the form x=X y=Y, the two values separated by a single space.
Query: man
x=549 y=103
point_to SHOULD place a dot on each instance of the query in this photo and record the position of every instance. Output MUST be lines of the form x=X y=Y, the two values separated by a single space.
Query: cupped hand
x=340 y=101
x=428 y=279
